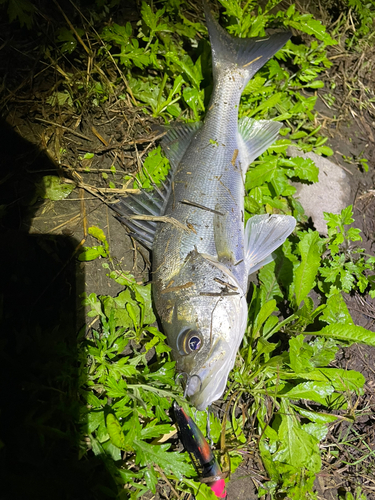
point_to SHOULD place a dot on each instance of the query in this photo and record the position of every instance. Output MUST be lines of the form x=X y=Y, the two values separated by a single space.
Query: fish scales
x=200 y=275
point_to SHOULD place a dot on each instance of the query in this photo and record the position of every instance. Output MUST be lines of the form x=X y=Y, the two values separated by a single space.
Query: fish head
x=206 y=321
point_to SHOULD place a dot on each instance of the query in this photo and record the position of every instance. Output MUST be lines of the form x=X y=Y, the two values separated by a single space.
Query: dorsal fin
x=153 y=203
x=177 y=140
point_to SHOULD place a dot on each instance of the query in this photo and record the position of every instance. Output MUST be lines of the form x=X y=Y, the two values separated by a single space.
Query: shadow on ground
x=41 y=413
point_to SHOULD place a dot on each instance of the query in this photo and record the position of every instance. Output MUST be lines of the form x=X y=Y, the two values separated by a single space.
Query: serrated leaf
x=169 y=462
x=151 y=478
x=340 y=379
x=304 y=168
x=348 y=333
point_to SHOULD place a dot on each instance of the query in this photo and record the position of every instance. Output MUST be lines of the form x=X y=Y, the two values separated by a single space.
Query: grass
x=284 y=396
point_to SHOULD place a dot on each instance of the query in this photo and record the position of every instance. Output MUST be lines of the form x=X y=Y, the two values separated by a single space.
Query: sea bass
x=202 y=253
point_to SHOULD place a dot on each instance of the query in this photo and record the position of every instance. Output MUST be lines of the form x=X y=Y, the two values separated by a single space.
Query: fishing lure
x=200 y=452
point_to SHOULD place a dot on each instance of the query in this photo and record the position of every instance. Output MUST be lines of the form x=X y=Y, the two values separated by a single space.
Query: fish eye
x=191 y=341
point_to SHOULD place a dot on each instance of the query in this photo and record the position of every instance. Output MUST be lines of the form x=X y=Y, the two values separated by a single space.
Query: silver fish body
x=201 y=266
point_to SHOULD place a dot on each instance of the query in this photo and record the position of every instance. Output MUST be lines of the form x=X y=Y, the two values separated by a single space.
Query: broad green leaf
x=258 y=175
x=307 y=270
x=266 y=310
x=112 y=450
x=338 y=378
x=336 y=311
x=324 y=150
x=91 y=253
x=318 y=431
x=318 y=417
x=300 y=354
x=314 y=391
x=115 y=432
x=94 y=419
x=348 y=333
x=50 y=187
x=268 y=461
x=323 y=351
x=298 y=448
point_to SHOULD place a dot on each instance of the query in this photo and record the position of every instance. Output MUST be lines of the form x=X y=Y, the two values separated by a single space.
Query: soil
x=43 y=280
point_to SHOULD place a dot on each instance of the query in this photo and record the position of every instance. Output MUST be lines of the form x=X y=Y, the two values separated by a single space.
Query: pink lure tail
x=201 y=454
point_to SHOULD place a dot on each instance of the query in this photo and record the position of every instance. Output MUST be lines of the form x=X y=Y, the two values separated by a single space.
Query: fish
x=200 y=452
x=202 y=252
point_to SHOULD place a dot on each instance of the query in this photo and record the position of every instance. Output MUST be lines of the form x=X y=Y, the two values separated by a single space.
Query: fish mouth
x=208 y=383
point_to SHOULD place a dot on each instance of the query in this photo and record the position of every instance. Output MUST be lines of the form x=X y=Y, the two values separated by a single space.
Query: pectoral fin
x=263 y=235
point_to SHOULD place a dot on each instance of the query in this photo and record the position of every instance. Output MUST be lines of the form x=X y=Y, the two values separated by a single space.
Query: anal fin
x=177 y=140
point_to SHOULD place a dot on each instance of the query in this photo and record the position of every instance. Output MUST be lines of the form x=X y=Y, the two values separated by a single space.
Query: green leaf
x=169 y=462
x=319 y=418
x=314 y=391
x=201 y=491
x=348 y=333
x=155 y=170
x=94 y=419
x=22 y=10
x=151 y=478
x=304 y=168
x=307 y=270
x=300 y=353
x=298 y=448
x=323 y=150
x=97 y=233
x=318 y=431
x=336 y=311
x=50 y=187
x=91 y=253
x=115 y=432
x=338 y=378
x=316 y=84
x=306 y=23
x=266 y=310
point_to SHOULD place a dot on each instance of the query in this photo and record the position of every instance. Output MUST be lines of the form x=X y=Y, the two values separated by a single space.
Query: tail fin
x=248 y=53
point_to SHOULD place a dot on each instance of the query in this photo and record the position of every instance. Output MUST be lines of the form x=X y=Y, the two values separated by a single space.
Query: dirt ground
x=43 y=280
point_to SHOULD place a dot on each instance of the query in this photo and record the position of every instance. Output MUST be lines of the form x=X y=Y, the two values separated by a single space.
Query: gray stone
x=330 y=194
